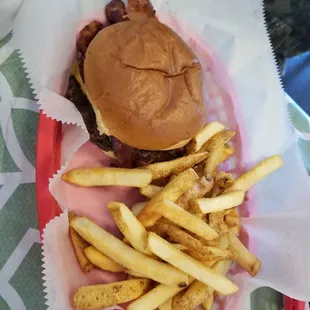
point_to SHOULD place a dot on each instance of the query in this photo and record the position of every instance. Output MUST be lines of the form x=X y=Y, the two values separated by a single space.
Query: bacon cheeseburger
x=138 y=87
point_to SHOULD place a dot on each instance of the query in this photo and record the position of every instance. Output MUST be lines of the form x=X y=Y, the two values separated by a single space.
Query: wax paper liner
x=276 y=213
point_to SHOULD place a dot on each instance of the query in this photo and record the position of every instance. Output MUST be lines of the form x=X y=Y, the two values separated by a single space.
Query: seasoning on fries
x=165 y=169
x=107 y=295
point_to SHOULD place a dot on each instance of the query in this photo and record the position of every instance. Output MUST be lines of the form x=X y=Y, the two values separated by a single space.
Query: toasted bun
x=145 y=84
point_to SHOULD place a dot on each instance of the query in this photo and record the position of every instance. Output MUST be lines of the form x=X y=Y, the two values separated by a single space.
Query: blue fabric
x=296 y=80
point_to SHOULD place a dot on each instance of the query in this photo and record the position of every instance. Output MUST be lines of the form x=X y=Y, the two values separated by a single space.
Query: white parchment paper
x=45 y=32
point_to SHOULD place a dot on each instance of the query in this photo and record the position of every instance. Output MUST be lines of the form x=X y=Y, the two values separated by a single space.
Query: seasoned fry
x=108 y=176
x=179 y=216
x=184 y=238
x=138 y=207
x=164 y=169
x=130 y=227
x=172 y=191
x=190 y=245
x=235 y=230
x=224 y=180
x=166 y=306
x=193 y=297
x=176 y=299
x=220 y=253
x=180 y=247
x=257 y=173
x=155 y=297
x=107 y=295
x=125 y=255
x=79 y=244
x=203 y=136
x=219 y=203
x=168 y=253
x=150 y=191
x=217 y=140
x=102 y=261
x=200 y=189
x=216 y=222
x=232 y=220
x=245 y=258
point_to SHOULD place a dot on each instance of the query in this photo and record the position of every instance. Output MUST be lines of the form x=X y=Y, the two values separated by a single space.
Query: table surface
x=20 y=259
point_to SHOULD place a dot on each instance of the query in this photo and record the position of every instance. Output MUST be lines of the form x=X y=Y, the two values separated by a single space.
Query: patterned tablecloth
x=20 y=254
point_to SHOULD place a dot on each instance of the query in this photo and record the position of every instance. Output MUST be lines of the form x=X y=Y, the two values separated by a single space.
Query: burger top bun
x=145 y=85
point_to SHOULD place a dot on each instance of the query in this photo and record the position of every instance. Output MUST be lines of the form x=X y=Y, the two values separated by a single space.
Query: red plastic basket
x=48 y=162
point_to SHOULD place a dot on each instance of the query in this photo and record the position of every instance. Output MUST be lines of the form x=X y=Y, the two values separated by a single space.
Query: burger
x=138 y=86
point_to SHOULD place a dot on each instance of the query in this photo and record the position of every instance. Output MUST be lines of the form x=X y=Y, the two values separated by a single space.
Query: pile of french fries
x=180 y=243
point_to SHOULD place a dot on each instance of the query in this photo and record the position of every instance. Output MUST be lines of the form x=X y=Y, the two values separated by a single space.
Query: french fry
x=155 y=297
x=107 y=295
x=187 y=264
x=150 y=191
x=79 y=244
x=245 y=258
x=232 y=220
x=222 y=254
x=232 y=212
x=217 y=140
x=138 y=207
x=200 y=189
x=130 y=227
x=172 y=191
x=235 y=230
x=211 y=163
x=102 y=261
x=224 y=180
x=124 y=255
x=257 y=173
x=181 y=217
x=108 y=176
x=193 y=297
x=135 y=274
x=185 y=239
x=180 y=247
x=224 y=241
x=222 y=267
x=164 y=169
x=175 y=300
x=219 y=203
x=216 y=222
x=227 y=152
x=166 y=306
x=201 y=256
x=203 y=136
x=208 y=302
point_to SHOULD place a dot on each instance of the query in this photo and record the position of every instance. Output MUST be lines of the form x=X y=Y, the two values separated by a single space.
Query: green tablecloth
x=20 y=258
